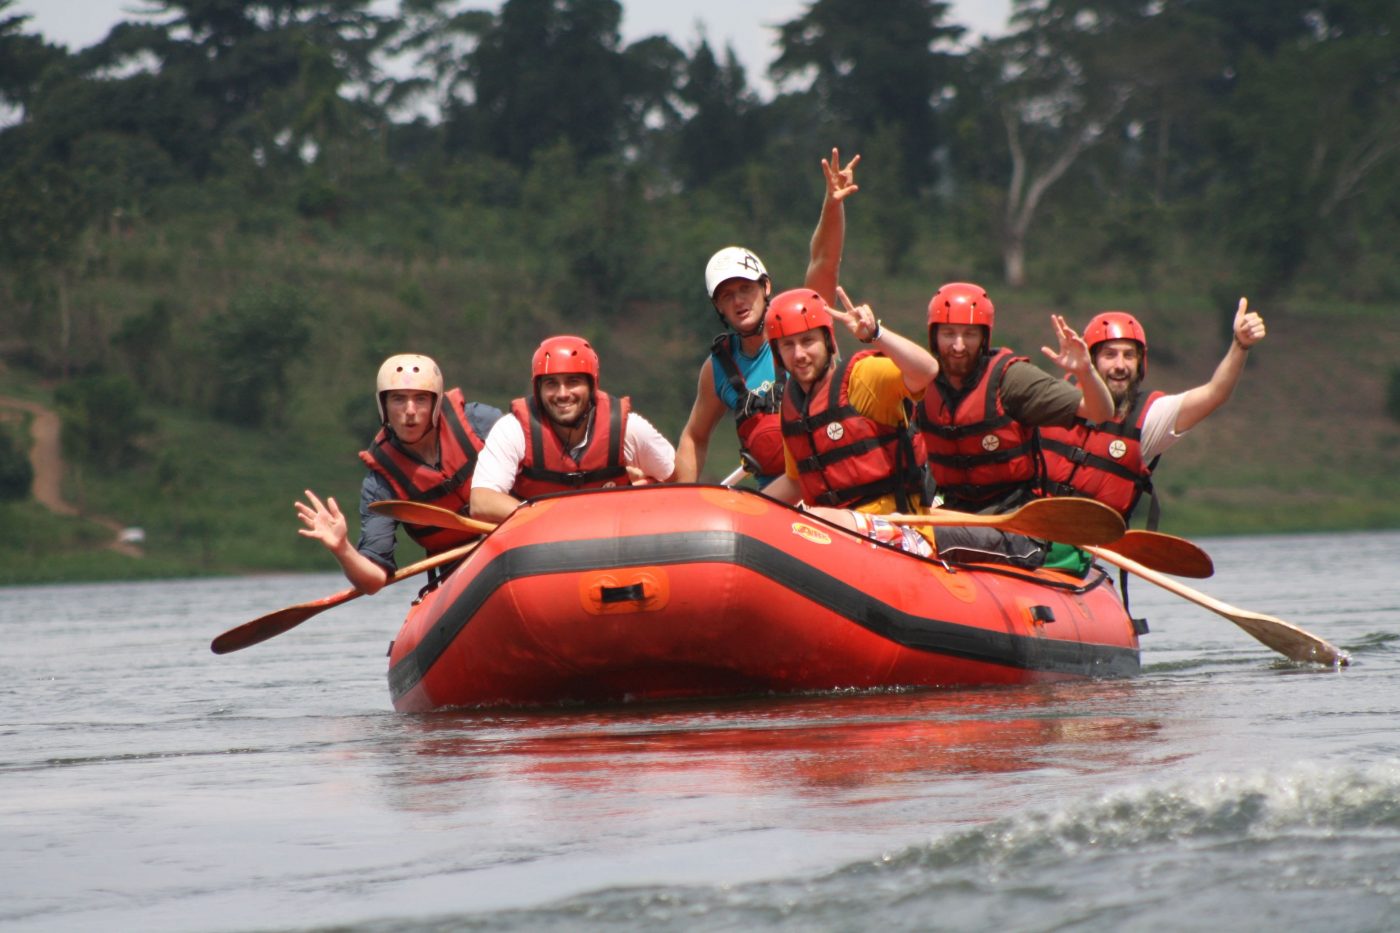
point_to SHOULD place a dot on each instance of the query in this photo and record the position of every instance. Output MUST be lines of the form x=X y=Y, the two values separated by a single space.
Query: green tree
x=1392 y=395
x=1061 y=83
x=545 y=71
x=104 y=420
x=251 y=347
x=876 y=65
x=16 y=473
x=264 y=83
x=24 y=59
x=723 y=129
x=1310 y=143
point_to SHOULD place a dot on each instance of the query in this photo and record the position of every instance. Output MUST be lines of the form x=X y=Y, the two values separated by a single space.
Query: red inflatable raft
x=660 y=592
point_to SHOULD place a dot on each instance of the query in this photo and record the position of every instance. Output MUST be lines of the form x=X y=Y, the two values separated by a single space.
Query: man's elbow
x=487 y=505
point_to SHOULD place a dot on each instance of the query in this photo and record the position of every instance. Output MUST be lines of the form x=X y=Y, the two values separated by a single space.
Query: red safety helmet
x=1117 y=325
x=795 y=311
x=961 y=303
x=564 y=354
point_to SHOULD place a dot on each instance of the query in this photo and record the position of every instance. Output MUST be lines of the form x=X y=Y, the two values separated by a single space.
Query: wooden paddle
x=1284 y=637
x=433 y=516
x=1165 y=553
x=1070 y=520
x=283 y=620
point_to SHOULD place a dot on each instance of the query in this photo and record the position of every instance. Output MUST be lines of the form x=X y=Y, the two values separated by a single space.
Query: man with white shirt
x=1113 y=461
x=568 y=434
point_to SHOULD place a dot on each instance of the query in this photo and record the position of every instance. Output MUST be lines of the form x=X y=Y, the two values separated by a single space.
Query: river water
x=149 y=784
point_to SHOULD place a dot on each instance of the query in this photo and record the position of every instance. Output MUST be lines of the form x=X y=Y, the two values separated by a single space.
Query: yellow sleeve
x=878 y=391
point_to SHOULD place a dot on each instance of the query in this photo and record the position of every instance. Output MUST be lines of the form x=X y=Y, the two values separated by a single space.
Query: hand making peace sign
x=860 y=320
x=840 y=182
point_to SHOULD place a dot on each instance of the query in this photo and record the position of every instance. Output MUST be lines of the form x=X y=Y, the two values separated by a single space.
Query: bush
x=16 y=473
x=103 y=420
x=1392 y=395
x=252 y=344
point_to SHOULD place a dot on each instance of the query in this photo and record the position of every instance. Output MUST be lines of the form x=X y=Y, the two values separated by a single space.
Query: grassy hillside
x=1305 y=444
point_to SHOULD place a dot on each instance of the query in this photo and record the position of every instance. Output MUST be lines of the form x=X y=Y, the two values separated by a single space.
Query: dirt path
x=46 y=457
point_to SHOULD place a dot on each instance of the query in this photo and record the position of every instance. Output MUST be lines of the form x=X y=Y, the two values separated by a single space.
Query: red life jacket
x=447 y=485
x=979 y=455
x=757 y=419
x=547 y=467
x=1102 y=462
x=845 y=459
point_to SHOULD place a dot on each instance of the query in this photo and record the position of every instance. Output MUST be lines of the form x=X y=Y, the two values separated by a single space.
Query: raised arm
x=1073 y=356
x=915 y=363
x=829 y=239
x=325 y=523
x=1199 y=402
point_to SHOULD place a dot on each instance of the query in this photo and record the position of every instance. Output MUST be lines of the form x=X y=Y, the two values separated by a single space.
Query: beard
x=1125 y=399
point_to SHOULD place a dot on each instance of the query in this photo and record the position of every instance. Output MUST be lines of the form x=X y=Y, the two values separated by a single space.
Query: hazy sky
x=748 y=25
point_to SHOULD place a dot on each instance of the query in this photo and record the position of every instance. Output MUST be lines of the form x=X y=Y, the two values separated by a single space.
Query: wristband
x=876 y=335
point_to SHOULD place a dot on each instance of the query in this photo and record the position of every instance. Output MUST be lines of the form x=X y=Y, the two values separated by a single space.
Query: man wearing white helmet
x=739 y=375
x=425 y=451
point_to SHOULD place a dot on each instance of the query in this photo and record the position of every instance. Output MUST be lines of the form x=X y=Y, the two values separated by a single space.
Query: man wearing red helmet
x=978 y=420
x=1112 y=461
x=845 y=429
x=739 y=375
x=567 y=434
x=425 y=451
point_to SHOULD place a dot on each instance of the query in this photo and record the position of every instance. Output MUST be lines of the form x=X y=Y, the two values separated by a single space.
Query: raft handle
x=623 y=594
x=1042 y=614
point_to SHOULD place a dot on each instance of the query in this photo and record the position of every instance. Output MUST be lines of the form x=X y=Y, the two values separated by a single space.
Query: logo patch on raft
x=815 y=535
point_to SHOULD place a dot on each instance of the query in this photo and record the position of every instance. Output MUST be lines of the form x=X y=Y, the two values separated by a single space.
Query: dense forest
x=218 y=219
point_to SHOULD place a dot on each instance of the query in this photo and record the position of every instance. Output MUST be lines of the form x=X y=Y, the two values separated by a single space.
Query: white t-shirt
x=1158 y=427
x=499 y=464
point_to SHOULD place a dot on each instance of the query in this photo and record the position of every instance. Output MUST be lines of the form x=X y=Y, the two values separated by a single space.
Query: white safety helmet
x=732 y=262
x=413 y=372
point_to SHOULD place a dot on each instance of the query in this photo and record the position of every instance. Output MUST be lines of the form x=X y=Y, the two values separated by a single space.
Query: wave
x=1315 y=848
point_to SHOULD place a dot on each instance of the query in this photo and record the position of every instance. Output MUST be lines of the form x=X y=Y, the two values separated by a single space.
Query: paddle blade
x=1284 y=637
x=1069 y=520
x=1289 y=640
x=432 y=516
x=1165 y=553
x=275 y=623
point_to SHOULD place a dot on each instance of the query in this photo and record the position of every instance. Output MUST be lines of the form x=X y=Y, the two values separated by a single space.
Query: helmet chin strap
x=758 y=328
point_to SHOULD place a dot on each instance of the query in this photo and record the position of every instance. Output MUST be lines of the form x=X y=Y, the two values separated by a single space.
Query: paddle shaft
x=1284 y=637
x=284 y=620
